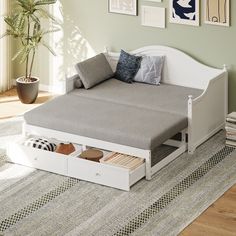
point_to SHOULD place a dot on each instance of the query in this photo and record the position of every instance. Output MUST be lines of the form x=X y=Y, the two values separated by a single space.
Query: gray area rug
x=10 y=130
x=34 y=202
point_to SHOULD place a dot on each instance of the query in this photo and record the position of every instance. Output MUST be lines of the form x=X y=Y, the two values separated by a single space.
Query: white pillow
x=150 y=70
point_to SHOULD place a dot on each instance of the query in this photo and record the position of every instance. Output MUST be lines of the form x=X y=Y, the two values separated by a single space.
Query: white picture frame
x=217 y=12
x=153 y=0
x=184 y=12
x=153 y=16
x=127 y=7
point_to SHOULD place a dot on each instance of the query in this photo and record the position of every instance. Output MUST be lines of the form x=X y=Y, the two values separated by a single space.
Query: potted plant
x=25 y=24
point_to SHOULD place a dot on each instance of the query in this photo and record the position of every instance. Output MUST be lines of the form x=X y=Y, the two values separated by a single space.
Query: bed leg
x=148 y=166
x=191 y=148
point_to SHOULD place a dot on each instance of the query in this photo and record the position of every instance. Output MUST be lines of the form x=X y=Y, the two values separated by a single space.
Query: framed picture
x=217 y=12
x=184 y=12
x=128 y=7
x=153 y=16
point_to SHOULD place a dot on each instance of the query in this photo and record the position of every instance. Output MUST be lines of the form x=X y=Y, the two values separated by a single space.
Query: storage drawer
x=104 y=174
x=73 y=166
x=37 y=158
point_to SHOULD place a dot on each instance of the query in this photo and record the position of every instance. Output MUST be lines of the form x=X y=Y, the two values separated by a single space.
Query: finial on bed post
x=190 y=97
x=190 y=103
x=225 y=67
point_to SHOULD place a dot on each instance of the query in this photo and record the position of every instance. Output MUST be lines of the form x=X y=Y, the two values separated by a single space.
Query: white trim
x=56 y=88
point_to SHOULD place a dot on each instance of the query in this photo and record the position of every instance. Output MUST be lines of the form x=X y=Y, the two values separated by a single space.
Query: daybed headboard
x=179 y=68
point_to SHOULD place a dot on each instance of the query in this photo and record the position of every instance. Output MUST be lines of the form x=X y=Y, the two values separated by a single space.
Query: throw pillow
x=40 y=143
x=94 y=70
x=150 y=70
x=127 y=67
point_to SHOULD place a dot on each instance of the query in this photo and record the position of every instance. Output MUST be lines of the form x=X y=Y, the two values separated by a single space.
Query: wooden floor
x=10 y=105
x=218 y=220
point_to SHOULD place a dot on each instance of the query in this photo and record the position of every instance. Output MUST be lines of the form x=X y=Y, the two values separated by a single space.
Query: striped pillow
x=40 y=143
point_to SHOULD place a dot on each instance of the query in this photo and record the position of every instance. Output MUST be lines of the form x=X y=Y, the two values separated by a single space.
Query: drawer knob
x=36 y=158
x=98 y=174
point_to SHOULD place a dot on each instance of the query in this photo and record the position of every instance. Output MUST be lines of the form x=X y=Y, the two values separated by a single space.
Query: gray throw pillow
x=150 y=70
x=94 y=70
x=127 y=67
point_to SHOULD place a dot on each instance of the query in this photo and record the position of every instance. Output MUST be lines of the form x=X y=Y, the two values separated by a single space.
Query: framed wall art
x=153 y=16
x=153 y=0
x=217 y=12
x=184 y=12
x=128 y=7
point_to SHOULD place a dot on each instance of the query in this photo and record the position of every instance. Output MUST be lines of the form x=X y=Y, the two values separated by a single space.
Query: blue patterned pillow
x=127 y=67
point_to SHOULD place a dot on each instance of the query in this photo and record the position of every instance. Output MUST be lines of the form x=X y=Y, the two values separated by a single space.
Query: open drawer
x=73 y=166
x=104 y=174
x=37 y=158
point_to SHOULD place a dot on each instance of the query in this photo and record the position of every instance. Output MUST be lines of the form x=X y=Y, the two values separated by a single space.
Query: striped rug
x=34 y=202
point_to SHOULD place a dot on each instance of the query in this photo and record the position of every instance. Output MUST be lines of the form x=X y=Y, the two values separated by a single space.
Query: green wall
x=212 y=45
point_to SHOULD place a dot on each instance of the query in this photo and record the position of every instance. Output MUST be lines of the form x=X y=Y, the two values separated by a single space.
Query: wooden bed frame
x=206 y=113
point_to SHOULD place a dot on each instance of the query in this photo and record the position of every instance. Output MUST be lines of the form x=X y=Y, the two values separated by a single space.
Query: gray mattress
x=137 y=115
x=165 y=97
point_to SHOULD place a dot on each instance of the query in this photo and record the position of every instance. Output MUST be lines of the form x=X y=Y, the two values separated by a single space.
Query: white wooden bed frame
x=206 y=113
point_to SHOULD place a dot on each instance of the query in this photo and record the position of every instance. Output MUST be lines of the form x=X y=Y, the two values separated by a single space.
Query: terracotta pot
x=27 y=91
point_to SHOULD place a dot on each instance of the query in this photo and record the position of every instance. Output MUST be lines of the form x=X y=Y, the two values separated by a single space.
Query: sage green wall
x=213 y=45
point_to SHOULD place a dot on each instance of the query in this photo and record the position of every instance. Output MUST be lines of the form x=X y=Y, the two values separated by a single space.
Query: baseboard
x=58 y=88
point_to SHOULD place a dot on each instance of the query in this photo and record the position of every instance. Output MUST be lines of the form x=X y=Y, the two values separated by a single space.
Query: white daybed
x=205 y=115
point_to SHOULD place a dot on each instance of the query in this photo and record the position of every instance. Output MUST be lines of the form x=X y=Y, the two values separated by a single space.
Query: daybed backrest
x=179 y=68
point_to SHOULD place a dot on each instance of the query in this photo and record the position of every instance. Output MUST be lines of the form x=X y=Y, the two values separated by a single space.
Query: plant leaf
x=45 y=2
x=53 y=30
x=35 y=18
x=19 y=22
x=49 y=48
